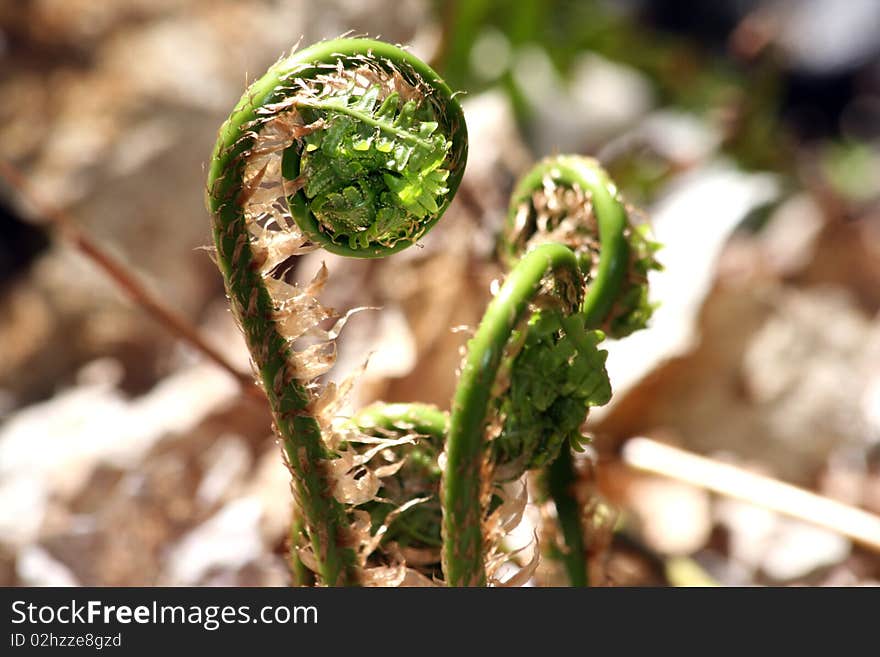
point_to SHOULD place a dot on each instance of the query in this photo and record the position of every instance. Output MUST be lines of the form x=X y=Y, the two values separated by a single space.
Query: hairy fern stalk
x=358 y=147
x=355 y=146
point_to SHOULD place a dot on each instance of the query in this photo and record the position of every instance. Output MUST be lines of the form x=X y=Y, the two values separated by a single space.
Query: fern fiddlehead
x=357 y=147
x=466 y=478
x=572 y=200
x=568 y=207
x=353 y=145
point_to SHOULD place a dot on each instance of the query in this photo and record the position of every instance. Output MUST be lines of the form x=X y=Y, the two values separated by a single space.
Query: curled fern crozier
x=355 y=146
x=578 y=270
x=571 y=200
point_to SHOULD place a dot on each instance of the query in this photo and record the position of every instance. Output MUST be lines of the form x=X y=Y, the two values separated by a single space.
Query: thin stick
x=120 y=274
x=652 y=456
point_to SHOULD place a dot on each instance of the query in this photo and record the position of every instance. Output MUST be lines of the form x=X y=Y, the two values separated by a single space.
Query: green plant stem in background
x=560 y=479
x=464 y=478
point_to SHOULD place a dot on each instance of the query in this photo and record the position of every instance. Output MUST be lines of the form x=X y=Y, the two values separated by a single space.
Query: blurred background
x=746 y=131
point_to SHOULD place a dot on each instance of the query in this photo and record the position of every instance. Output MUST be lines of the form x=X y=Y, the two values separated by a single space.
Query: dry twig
x=725 y=479
x=122 y=276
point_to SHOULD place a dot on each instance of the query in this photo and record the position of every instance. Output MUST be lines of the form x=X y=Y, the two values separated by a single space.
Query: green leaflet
x=557 y=375
x=632 y=309
x=375 y=170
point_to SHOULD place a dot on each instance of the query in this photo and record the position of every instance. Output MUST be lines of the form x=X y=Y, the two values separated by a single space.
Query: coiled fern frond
x=571 y=200
x=357 y=147
x=566 y=222
x=373 y=145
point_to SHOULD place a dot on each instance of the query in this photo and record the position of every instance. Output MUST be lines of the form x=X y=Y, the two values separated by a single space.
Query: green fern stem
x=463 y=490
x=558 y=480
x=299 y=572
x=414 y=189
